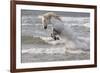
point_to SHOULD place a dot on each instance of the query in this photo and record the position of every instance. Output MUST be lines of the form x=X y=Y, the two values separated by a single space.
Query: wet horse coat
x=64 y=32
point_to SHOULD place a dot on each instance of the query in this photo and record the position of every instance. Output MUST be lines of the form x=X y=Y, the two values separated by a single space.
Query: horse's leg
x=54 y=35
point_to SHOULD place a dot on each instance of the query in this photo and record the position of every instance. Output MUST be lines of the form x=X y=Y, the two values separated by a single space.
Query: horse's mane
x=51 y=14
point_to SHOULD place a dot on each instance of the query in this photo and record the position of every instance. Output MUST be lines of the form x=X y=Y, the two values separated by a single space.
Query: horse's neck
x=57 y=24
x=56 y=21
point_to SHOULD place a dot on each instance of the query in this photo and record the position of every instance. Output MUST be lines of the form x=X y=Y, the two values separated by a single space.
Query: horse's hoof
x=56 y=38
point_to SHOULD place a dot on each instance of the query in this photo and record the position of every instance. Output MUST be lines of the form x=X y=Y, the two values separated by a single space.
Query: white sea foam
x=57 y=50
x=46 y=50
x=50 y=40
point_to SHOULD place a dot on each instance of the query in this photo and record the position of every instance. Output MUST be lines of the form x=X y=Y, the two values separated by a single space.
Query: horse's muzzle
x=45 y=27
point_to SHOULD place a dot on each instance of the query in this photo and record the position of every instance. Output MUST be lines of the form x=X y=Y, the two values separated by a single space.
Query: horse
x=65 y=32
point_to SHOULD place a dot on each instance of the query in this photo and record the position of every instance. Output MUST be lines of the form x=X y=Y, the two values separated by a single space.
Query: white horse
x=64 y=32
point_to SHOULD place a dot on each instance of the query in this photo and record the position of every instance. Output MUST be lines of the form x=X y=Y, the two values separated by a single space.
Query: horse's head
x=47 y=17
x=45 y=21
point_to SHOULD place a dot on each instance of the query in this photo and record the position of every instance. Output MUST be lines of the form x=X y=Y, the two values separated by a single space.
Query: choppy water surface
x=38 y=46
